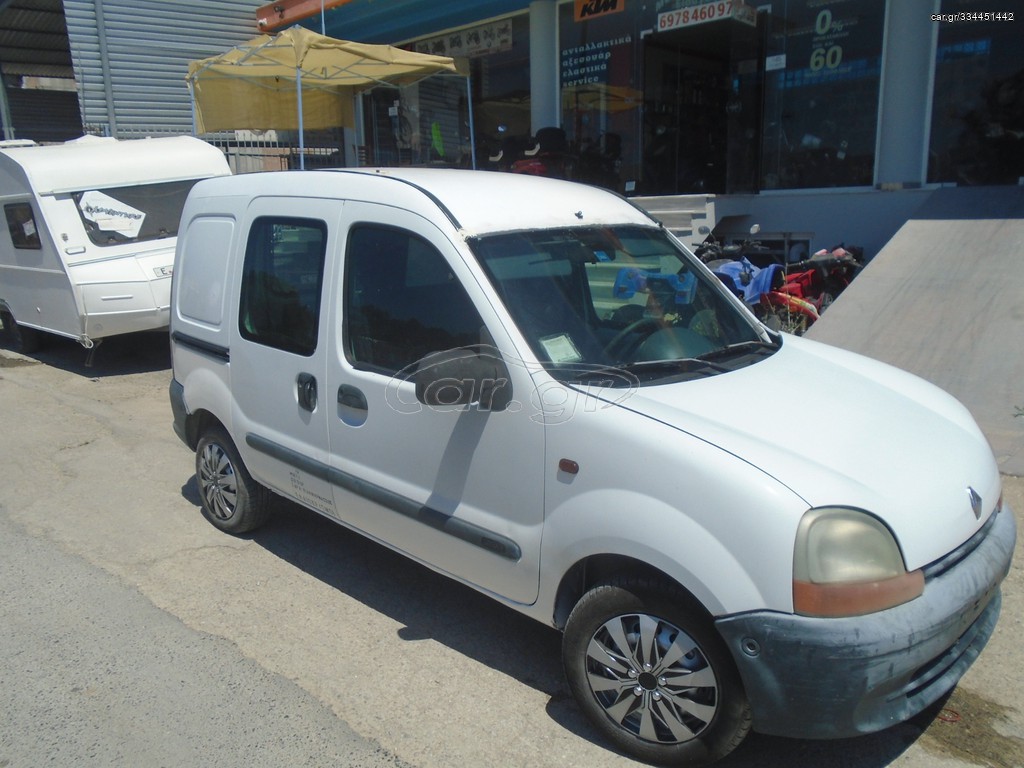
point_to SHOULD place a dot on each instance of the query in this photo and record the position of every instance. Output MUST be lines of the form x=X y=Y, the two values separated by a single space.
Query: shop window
x=823 y=66
x=601 y=98
x=977 y=131
x=21 y=223
x=428 y=123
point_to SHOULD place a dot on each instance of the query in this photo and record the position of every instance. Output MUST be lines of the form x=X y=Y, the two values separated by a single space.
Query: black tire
x=19 y=338
x=628 y=646
x=231 y=499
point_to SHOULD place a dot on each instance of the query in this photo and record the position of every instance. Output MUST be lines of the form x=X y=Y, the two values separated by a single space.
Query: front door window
x=402 y=300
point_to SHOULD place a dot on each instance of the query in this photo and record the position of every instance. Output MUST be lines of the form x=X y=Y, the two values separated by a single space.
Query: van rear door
x=278 y=357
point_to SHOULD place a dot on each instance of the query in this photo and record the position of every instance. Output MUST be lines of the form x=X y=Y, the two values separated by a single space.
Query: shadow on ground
x=142 y=352
x=429 y=605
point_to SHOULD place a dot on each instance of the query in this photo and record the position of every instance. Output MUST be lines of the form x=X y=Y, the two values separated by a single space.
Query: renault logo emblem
x=975 y=502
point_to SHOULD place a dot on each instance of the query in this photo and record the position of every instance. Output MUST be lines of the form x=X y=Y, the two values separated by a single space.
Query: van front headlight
x=847 y=563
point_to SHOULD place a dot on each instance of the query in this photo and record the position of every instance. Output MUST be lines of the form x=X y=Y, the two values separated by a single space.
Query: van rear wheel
x=649 y=670
x=231 y=499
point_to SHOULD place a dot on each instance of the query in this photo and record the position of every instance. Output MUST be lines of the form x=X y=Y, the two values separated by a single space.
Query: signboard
x=589 y=9
x=477 y=41
x=588 y=63
x=716 y=10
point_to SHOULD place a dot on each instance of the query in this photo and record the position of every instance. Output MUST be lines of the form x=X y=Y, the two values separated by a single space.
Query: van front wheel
x=649 y=670
x=231 y=499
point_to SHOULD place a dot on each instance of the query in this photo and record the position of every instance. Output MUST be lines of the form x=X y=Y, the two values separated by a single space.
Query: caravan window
x=21 y=222
x=132 y=214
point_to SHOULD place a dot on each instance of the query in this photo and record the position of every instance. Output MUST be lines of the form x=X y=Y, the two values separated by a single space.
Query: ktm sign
x=588 y=9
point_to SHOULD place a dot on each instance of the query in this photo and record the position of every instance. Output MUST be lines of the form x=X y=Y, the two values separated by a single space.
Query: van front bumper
x=834 y=678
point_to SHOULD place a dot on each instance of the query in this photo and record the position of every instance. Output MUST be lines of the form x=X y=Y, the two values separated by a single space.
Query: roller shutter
x=131 y=56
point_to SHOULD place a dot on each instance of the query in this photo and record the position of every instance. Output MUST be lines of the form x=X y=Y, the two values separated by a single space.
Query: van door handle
x=306 y=386
x=351 y=397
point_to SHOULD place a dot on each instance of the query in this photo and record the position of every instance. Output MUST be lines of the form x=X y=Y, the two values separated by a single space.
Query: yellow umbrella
x=298 y=79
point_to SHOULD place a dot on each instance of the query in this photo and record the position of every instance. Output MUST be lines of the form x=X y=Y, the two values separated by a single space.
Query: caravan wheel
x=18 y=338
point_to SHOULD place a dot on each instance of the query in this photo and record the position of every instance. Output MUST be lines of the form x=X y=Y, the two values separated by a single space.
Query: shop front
x=670 y=97
x=729 y=99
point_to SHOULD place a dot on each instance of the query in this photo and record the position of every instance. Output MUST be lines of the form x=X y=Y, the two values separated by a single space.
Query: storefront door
x=702 y=110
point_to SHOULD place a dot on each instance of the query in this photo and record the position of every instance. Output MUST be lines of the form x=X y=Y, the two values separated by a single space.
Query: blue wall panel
x=395 y=21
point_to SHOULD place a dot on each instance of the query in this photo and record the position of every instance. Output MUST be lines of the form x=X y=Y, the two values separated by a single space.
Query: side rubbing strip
x=203 y=347
x=435 y=518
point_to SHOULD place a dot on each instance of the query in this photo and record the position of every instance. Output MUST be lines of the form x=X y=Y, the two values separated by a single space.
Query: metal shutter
x=130 y=58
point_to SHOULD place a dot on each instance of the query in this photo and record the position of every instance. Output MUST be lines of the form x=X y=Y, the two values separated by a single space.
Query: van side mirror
x=465 y=376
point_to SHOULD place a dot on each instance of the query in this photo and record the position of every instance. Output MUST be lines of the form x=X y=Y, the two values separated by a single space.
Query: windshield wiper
x=705 y=364
x=677 y=365
x=740 y=348
x=631 y=374
x=613 y=375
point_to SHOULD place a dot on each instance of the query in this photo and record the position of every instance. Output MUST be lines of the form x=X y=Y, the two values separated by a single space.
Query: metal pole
x=472 y=130
x=302 y=138
x=192 y=103
x=323 y=23
x=5 y=112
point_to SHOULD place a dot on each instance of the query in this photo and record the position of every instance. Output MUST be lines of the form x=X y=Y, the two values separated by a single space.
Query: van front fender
x=643 y=528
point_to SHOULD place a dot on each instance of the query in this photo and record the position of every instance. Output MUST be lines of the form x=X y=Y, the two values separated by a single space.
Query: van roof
x=476 y=202
x=92 y=162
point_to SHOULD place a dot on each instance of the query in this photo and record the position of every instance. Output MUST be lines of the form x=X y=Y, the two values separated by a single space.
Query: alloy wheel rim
x=217 y=481
x=652 y=679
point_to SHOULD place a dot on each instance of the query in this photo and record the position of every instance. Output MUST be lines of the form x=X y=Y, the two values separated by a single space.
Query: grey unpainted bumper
x=833 y=678
x=179 y=410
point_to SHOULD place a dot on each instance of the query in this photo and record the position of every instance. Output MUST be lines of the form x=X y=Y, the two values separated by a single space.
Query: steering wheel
x=648 y=324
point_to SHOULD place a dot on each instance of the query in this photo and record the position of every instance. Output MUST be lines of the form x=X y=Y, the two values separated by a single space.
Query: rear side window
x=402 y=300
x=21 y=222
x=282 y=278
x=202 y=270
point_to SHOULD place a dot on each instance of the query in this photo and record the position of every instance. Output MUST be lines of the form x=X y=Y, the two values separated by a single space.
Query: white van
x=91 y=230
x=533 y=388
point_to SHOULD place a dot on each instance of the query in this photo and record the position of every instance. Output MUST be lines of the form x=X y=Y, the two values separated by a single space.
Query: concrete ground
x=305 y=620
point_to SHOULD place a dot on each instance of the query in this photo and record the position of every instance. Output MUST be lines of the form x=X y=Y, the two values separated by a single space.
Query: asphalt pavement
x=132 y=633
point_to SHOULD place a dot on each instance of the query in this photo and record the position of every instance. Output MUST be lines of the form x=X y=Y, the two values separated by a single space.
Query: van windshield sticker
x=560 y=349
x=110 y=214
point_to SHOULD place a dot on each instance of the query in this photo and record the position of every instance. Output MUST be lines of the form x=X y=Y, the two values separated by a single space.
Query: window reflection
x=977 y=132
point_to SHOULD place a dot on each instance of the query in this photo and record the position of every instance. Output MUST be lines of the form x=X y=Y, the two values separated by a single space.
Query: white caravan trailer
x=91 y=230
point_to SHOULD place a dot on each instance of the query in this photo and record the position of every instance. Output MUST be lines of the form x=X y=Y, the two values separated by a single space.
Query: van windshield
x=118 y=215
x=592 y=298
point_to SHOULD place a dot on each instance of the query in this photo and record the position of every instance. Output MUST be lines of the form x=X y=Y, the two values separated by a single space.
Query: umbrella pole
x=192 y=104
x=472 y=129
x=302 y=138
